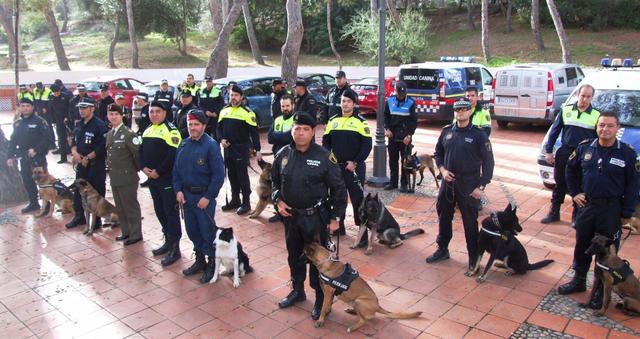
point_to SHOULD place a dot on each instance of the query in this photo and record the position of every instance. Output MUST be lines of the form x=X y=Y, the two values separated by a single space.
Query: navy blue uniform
x=103 y=106
x=199 y=172
x=59 y=108
x=276 y=110
x=211 y=100
x=466 y=152
x=332 y=102
x=306 y=103
x=279 y=134
x=608 y=177
x=401 y=119
x=180 y=120
x=144 y=119
x=166 y=98
x=90 y=137
x=74 y=111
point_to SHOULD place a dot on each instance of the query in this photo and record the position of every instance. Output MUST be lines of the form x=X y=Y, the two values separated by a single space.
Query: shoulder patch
x=585 y=141
x=447 y=126
x=333 y=117
x=170 y=125
x=332 y=158
x=573 y=155
x=367 y=131
x=136 y=140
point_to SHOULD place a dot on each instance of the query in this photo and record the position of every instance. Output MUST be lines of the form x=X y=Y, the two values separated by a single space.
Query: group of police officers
x=181 y=157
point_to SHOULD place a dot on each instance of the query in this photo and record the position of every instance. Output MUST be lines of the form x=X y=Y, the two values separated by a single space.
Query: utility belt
x=310 y=211
x=600 y=201
x=195 y=189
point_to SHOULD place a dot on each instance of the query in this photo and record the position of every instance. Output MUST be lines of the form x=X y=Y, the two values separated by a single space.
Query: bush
x=407 y=42
x=32 y=25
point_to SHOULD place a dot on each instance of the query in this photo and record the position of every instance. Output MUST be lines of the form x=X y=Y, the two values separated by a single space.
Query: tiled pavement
x=56 y=283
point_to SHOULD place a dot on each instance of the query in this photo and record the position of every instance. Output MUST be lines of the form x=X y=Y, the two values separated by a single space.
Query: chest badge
x=568 y=114
x=587 y=156
x=200 y=161
x=449 y=136
x=285 y=161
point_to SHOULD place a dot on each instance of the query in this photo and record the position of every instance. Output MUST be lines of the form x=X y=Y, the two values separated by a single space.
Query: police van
x=617 y=90
x=435 y=86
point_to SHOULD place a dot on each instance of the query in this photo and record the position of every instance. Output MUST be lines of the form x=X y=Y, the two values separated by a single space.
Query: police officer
x=602 y=178
x=334 y=97
x=279 y=90
x=41 y=102
x=193 y=88
x=238 y=130
x=198 y=175
x=123 y=146
x=227 y=94
x=348 y=137
x=480 y=117
x=142 y=101
x=400 y=122
x=24 y=93
x=64 y=88
x=211 y=102
x=186 y=105
x=59 y=108
x=164 y=94
x=304 y=100
x=105 y=101
x=465 y=159
x=157 y=155
x=74 y=112
x=127 y=117
x=310 y=195
x=88 y=152
x=576 y=122
x=29 y=143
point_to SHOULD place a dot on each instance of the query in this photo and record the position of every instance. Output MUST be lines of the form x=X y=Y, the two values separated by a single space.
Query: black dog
x=375 y=216
x=498 y=237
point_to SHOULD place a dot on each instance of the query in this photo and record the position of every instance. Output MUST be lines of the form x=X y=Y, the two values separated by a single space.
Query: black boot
x=232 y=205
x=209 y=269
x=33 y=206
x=162 y=249
x=439 y=255
x=173 y=255
x=197 y=266
x=275 y=218
x=553 y=216
x=317 y=305
x=577 y=284
x=76 y=221
x=296 y=295
x=245 y=207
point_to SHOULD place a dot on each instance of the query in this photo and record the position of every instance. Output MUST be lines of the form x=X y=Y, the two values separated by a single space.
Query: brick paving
x=56 y=283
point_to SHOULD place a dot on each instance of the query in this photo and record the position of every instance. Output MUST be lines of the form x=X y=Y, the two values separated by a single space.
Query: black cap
x=301 y=82
x=26 y=101
x=349 y=93
x=303 y=118
x=462 y=103
x=186 y=93
x=341 y=74
x=276 y=81
x=237 y=89
x=114 y=108
x=54 y=88
x=159 y=104
x=198 y=115
x=143 y=96
x=39 y=84
x=86 y=101
x=401 y=87
x=58 y=82
x=208 y=78
x=104 y=87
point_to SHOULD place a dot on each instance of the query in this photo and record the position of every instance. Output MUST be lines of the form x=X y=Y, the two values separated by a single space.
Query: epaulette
x=246 y=108
x=447 y=126
x=335 y=116
x=170 y=124
x=359 y=116
x=585 y=141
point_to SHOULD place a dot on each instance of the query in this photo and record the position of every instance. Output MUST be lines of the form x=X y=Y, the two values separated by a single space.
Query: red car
x=129 y=87
x=367 y=90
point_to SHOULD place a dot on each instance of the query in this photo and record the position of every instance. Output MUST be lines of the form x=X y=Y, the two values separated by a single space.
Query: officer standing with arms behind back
x=576 y=122
x=238 y=130
x=29 y=142
x=334 y=97
x=211 y=102
x=465 y=159
x=198 y=175
x=59 y=108
x=309 y=194
x=602 y=178
x=400 y=122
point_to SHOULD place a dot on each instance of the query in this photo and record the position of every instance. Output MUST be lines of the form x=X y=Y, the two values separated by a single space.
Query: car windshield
x=93 y=86
x=364 y=87
x=368 y=81
x=625 y=103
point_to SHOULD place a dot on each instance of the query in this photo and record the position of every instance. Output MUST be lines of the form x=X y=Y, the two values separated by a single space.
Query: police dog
x=376 y=217
x=624 y=283
x=229 y=253
x=95 y=206
x=498 y=237
x=412 y=164
x=263 y=189
x=52 y=192
x=361 y=299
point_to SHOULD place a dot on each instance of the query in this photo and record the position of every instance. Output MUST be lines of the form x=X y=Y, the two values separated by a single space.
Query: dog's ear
x=376 y=197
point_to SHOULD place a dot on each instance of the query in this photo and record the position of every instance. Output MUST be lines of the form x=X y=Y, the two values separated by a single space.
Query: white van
x=533 y=92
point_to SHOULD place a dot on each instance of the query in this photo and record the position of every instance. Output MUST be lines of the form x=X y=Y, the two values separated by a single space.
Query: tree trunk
x=114 y=41
x=218 y=63
x=509 y=16
x=54 y=34
x=11 y=188
x=291 y=47
x=7 y=25
x=132 y=35
x=535 y=24
x=330 y=33
x=65 y=16
x=562 y=35
x=374 y=7
x=226 y=8
x=391 y=4
x=472 y=26
x=216 y=15
x=485 y=30
x=251 y=34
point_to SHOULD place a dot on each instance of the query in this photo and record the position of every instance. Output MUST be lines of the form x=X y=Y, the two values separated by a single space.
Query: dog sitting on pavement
x=413 y=163
x=615 y=274
x=263 y=189
x=52 y=192
x=229 y=254
x=498 y=237
x=376 y=217
x=95 y=206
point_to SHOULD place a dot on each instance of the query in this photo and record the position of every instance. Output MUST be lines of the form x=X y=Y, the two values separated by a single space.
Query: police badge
x=449 y=136
x=200 y=161
x=285 y=161
x=587 y=156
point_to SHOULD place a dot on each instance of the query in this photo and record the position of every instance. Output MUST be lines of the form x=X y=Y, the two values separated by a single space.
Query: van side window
x=572 y=76
x=527 y=81
x=513 y=81
x=503 y=81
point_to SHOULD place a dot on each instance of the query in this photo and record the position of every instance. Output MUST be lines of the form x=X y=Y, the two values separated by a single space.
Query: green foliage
x=32 y=25
x=407 y=42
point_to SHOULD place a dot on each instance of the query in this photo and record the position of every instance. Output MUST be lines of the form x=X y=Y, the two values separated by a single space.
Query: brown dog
x=359 y=296
x=263 y=189
x=95 y=206
x=414 y=163
x=52 y=192
x=615 y=275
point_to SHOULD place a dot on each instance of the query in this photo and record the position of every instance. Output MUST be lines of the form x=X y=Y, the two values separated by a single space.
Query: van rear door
x=507 y=93
x=533 y=94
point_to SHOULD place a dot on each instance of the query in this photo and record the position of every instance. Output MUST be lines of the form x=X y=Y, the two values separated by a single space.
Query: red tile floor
x=58 y=283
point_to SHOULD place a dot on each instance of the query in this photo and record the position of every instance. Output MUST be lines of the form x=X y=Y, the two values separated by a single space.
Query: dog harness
x=496 y=221
x=618 y=274
x=60 y=188
x=342 y=282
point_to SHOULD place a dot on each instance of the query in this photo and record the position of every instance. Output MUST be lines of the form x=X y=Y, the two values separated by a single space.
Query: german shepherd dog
x=52 y=192
x=412 y=164
x=263 y=189
x=95 y=206
x=625 y=284
x=362 y=300
x=498 y=237
x=230 y=254
x=376 y=217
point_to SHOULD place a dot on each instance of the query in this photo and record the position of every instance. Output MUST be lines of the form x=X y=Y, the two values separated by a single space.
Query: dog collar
x=491 y=232
x=618 y=274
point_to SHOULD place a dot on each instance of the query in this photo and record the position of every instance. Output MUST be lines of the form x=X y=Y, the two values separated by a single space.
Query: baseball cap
x=341 y=74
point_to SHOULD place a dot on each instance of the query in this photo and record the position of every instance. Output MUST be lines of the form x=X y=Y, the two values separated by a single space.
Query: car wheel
x=503 y=124
x=549 y=185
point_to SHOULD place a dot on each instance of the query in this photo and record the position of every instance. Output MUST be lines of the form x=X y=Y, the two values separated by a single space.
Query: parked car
x=257 y=91
x=152 y=87
x=532 y=92
x=367 y=90
x=616 y=91
x=318 y=83
x=129 y=87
